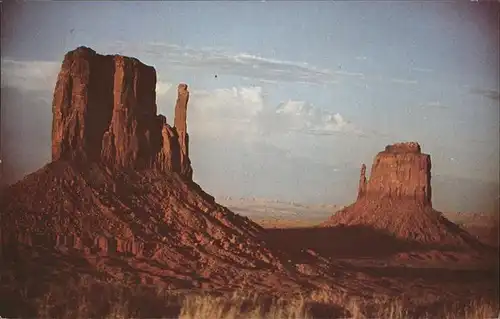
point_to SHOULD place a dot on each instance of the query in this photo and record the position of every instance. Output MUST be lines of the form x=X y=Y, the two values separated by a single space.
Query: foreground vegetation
x=81 y=299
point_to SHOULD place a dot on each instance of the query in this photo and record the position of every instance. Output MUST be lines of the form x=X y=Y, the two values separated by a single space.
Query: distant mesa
x=397 y=199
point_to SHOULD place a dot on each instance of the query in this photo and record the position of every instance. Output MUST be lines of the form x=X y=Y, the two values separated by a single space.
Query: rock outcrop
x=104 y=110
x=362 y=182
x=396 y=200
x=400 y=172
x=180 y=124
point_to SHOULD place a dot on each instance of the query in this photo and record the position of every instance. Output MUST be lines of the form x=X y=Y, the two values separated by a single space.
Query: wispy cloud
x=355 y=74
x=489 y=93
x=220 y=61
x=29 y=75
x=42 y=76
x=424 y=70
x=434 y=105
x=403 y=81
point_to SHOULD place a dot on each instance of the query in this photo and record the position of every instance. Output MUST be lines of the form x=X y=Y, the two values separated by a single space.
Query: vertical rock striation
x=400 y=172
x=105 y=111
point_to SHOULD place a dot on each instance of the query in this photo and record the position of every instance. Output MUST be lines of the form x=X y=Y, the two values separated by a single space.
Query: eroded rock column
x=180 y=124
x=362 y=182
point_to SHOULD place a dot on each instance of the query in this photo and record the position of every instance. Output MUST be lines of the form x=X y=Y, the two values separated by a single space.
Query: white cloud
x=29 y=75
x=243 y=113
x=162 y=88
x=424 y=70
x=221 y=61
x=355 y=74
x=403 y=81
x=225 y=113
x=433 y=105
x=308 y=119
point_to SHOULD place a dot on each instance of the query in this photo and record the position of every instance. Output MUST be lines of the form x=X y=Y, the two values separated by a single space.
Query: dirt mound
x=397 y=201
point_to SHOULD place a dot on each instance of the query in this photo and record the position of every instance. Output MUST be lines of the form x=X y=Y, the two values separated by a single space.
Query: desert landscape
x=124 y=220
x=117 y=212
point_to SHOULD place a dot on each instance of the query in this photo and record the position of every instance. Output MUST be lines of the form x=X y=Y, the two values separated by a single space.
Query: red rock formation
x=401 y=171
x=180 y=124
x=105 y=110
x=396 y=200
x=362 y=182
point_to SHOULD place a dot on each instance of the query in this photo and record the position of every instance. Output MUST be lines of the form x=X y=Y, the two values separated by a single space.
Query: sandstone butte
x=119 y=191
x=104 y=110
x=397 y=200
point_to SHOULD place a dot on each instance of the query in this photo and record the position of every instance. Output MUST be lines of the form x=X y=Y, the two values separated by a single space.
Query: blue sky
x=305 y=93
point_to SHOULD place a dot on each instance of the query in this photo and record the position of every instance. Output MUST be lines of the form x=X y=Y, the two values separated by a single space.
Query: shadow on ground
x=342 y=242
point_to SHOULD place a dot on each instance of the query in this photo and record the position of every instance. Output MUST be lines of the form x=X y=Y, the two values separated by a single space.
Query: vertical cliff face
x=105 y=110
x=400 y=172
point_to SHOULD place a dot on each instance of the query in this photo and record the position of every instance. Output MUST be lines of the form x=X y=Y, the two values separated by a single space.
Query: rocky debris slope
x=397 y=200
x=177 y=232
x=119 y=189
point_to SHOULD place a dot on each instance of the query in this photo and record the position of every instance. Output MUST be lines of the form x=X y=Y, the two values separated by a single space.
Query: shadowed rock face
x=400 y=172
x=105 y=111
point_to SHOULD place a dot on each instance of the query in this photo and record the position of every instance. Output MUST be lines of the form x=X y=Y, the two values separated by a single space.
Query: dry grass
x=125 y=302
x=241 y=305
x=475 y=309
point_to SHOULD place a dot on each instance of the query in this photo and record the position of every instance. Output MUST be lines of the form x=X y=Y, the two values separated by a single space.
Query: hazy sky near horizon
x=305 y=91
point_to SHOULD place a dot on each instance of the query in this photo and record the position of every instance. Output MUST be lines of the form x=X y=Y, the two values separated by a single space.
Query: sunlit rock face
x=104 y=110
